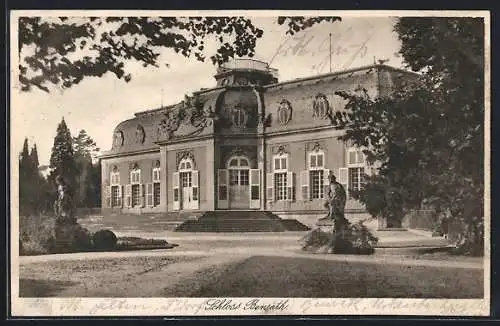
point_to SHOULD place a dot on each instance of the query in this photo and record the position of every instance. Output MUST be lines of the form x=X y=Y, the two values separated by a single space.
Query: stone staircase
x=211 y=221
x=141 y=222
x=240 y=221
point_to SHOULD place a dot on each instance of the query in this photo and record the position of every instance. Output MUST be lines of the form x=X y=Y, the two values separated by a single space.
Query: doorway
x=239 y=182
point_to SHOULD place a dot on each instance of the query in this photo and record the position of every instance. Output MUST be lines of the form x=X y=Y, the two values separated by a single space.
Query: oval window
x=284 y=112
x=239 y=117
x=321 y=107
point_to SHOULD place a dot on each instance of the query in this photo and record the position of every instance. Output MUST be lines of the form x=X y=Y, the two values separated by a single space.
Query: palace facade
x=249 y=143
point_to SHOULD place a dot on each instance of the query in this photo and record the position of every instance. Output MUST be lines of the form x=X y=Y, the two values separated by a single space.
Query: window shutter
x=222 y=193
x=107 y=194
x=254 y=188
x=175 y=187
x=344 y=179
x=304 y=185
x=270 y=187
x=149 y=194
x=128 y=195
x=119 y=202
x=196 y=190
x=290 y=186
x=142 y=201
x=326 y=182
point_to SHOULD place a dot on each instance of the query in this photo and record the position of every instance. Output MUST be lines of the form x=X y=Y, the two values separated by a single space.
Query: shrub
x=358 y=240
x=137 y=242
x=104 y=240
x=36 y=235
x=361 y=237
x=316 y=238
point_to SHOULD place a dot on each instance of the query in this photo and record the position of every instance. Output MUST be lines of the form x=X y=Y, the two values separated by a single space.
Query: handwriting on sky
x=344 y=50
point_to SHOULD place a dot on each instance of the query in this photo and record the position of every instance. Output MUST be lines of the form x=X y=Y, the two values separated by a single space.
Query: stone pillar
x=209 y=177
x=261 y=164
x=164 y=178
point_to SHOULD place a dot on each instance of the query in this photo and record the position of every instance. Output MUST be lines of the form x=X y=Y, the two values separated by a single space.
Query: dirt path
x=159 y=280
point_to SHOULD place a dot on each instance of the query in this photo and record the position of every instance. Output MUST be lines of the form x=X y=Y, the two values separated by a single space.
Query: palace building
x=249 y=146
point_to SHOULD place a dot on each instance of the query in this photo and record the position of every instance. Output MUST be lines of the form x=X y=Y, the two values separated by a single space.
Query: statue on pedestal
x=336 y=198
x=335 y=202
x=63 y=206
x=69 y=235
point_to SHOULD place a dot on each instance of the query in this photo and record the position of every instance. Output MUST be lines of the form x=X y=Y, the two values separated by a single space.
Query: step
x=240 y=221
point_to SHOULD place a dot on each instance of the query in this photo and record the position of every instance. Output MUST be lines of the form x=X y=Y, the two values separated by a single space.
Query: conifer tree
x=85 y=148
x=24 y=180
x=62 y=158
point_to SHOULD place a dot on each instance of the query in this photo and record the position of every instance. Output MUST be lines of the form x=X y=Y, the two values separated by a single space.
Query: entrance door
x=239 y=188
x=239 y=183
x=187 y=190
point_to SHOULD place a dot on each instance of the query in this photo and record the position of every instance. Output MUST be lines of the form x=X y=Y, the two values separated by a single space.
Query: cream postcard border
x=171 y=307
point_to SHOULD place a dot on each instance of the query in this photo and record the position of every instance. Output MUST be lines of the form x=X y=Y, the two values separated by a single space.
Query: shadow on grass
x=36 y=288
x=262 y=276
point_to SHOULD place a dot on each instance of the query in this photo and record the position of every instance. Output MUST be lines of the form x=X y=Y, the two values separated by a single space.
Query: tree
x=428 y=135
x=36 y=180
x=62 y=158
x=85 y=150
x=63 y=51
x=25 y=181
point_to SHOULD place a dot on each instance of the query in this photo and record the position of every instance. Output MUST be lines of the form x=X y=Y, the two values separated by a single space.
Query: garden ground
x=249 y=265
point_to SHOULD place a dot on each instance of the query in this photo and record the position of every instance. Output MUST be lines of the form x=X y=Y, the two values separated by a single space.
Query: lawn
x=261 y=276
x=111 y=277
x=244 y=275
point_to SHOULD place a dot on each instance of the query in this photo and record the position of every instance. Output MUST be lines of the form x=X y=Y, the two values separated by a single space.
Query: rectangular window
x=156 y=194
x=186 y=180
x=316 y=160
x=115 y=178
x=136 y=195
x=135 y=176
x=233 y=177
x=356 y=178
x=255 y=185
x=356 y=156
x=283 y=163
x=317 y=184
x=280 y=185
x=156 y=175
x=222 y=181
x=244 y=177
x=277 y=165
x=115 y=192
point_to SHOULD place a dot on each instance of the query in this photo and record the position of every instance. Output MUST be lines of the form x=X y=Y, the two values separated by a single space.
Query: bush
x=104 y=240
x=361 y=238
x=358 y=240
x=36 y=235
x=316 y=238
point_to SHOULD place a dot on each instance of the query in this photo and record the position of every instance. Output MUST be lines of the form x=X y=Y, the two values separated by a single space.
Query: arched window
x=185 y=183
x=185 y=165
x=239 y=170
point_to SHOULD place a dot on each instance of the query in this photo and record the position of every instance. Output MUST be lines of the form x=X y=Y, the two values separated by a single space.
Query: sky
x=99 y=104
